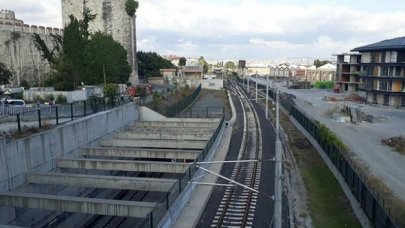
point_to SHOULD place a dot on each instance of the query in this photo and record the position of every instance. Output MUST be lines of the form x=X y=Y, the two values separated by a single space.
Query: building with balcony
x=347 y=72
x=382 y=71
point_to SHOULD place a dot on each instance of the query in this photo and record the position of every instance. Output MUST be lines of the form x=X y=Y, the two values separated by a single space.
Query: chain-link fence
x=180 y=106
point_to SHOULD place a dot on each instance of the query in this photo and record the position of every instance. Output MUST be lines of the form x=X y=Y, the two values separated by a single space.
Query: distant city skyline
x=247 y=29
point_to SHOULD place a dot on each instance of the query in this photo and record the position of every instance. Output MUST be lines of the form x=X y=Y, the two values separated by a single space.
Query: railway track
x=125 y=195
x=238 y=205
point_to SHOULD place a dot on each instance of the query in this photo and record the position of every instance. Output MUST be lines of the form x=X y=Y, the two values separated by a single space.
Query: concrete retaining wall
x=213 y=84
x=147 y=114
x=37 y=153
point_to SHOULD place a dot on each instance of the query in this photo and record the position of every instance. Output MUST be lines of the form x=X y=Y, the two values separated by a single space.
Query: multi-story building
x=382 y=70
x=347 y=72
x=323 y=73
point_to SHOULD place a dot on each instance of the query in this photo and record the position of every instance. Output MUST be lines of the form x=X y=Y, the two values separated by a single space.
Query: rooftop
x=391 y=44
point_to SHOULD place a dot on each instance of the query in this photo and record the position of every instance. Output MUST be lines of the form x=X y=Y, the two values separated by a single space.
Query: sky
x=247 y=29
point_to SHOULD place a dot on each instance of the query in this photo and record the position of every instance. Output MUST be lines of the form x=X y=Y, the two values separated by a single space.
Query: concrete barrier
x=37 y=152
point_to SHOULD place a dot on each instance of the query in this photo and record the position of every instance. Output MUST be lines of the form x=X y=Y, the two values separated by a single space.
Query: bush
x=38 y=99
x=324 y=84
x=95 y=103
x=60 y=99
x=110 y=92
x=50 y=97
x=25 y=84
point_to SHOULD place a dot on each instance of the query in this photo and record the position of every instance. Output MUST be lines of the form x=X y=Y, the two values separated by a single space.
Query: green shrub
x=324 y=84
x=96 y=103
x=110 y=92
x=60 y=99
x=38 y=99
x=50 y=97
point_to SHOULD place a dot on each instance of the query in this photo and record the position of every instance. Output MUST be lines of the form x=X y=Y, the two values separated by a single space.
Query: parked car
x=14 y=102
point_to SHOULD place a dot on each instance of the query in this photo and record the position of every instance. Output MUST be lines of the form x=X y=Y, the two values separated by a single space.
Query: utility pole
x=248 y=84
x=256 y=86
x=278 y=171
x=267 y=97
x=243 y=77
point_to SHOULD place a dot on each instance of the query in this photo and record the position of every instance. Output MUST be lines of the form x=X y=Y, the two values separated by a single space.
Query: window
x=385 y=71
x=383 y=85
x=398 y=71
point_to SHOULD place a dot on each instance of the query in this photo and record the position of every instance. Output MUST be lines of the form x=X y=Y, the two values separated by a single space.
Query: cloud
x=239 y=28
x=147 y=43
x=187 y=46
x=33 y=12
x=258 y=29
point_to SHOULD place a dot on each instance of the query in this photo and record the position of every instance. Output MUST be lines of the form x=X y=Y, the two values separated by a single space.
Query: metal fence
x=203 y=112
x=374 y=206
x=164 y=204
x=177 y=108
x=45 y=115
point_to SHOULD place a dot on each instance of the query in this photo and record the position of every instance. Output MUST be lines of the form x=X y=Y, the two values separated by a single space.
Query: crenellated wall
x=17 y=50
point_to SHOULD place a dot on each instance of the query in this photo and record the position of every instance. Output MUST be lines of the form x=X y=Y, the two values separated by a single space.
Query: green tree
x=79 y=56
x=230 y=65
x=150 y=64
x=131 y=6
x=104 y=50
x=182 y=61
x=25 y=84
x=203 y=63
x=5 y=74
x=319 y=63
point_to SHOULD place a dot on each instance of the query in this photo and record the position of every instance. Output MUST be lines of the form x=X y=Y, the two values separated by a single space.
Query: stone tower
x=111 y=19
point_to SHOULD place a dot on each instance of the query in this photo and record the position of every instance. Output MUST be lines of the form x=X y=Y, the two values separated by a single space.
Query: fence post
x=84 y=108
x=167 y=201
x=71 y=111
x=39 y=118
x=206 y=112
x=151 y=219
x=19 y=122
x=57 y=115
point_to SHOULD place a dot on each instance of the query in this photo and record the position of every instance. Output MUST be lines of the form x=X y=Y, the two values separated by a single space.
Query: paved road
x=364 y=138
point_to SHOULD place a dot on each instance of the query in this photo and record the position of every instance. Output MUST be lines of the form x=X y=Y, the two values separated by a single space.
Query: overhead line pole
x=248 y=82
x=278 y=170
x=267 y=97
x=256 y=86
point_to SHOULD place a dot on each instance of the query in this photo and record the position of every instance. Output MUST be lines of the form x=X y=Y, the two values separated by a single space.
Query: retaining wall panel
x=38 y=152
x=36 y=149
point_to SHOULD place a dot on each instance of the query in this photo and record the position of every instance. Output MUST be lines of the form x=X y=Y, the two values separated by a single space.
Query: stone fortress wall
x=19 y=54
x=17 y=50
x=111 y=18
